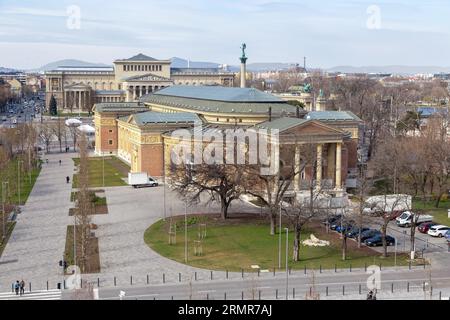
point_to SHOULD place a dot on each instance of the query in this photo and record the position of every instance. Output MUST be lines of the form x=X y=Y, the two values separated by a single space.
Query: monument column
x=243 y=59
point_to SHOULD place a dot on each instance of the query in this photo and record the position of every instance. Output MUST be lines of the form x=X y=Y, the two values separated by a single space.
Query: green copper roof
x=332 y=116
x=281 y=124
x=151 y=117
x=220 y=100
x=217 y=93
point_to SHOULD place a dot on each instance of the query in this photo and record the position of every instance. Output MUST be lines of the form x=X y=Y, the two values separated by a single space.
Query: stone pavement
x=37 y=242
x=123 y=252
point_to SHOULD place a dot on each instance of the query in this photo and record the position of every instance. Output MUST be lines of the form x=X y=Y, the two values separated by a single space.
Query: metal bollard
x=409 y=265
x=47 y=285
x=407 y=287
x=224 y=296
x=423 y=286
x=305 y=269
x=164 y=278
x=326 y=291
x=195 y=275
x=64 y=284
x=350 y=267
x=276 y=294
x=293 y=293
x=115 y=282
x=335 y=267
x=320 y=268
x=227 y=273
x=98 y=283
x=148 y=280
x=274 y=272
x=207 y=296
x=242 y=273
x=392 y=287
x=211 y=275
x=179 y=277
x=259 y=294
x=365 y=266
x=30 y=286
x=131 y=280
x=290 y=271
x=380 y=266
x=343 y=290
x=440 y=295
x=359 y=289
x=242 y=295
x=258 y=272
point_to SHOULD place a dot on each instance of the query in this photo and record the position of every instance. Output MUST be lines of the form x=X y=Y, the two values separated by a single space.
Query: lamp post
x=103 y=170
x=287 y=263
x=279 y=241
x=185 y=232
x=4 y=183
x=18 y=178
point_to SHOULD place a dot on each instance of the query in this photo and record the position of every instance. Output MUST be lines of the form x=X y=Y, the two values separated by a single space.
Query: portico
x=77 y=97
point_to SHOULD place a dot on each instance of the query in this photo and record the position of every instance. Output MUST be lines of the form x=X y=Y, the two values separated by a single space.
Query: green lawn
x=115 y=170
x=10 y=174
x=440 y=214
x=235 y=245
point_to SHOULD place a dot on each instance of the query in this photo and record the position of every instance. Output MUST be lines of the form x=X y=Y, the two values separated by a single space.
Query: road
x=329 y=284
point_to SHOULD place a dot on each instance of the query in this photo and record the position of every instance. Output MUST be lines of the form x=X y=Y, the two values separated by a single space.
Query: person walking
x=59 y=162
x=17 y=287
x=67 y=179
x=22 y=287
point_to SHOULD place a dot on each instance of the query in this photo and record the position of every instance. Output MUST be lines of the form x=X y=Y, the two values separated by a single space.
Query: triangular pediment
x=314 y=127
x=145 y=78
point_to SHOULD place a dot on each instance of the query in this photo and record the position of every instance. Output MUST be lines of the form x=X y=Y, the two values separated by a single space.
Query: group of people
x=372 y=295
x=19 y=287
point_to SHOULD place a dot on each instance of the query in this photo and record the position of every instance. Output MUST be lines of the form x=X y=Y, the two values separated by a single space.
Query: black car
x=369 y=234
x=332 y=219
x=354 y=232
x=336 y=223
x=378 y=241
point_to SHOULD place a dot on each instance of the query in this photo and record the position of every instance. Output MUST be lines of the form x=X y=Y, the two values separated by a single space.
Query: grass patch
x=100 y=204
x=10 y=174
x=9 y=229
x=115 y=171
x=440 y=214
x=93 y=258
x=242 y=242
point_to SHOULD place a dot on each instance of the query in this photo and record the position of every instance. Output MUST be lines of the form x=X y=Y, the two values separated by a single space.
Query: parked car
x=378 y=241
x=354 y=232
x=346 y=226
x=331 y=219
x=447 y=236
x=336 y=223
x=438 y=230
x=369 y=234
x=424 y=227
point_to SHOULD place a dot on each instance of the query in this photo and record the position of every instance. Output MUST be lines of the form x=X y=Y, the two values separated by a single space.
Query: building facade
x=79 y=88
x=141 y=135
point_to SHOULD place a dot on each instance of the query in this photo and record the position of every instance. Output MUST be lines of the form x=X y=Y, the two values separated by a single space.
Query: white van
x=406 y=219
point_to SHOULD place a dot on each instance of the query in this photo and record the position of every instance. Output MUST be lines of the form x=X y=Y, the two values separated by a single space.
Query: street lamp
x=185 y=232
x=287 y=263
x=4 y=183
x=103 y=170
x=18 y=177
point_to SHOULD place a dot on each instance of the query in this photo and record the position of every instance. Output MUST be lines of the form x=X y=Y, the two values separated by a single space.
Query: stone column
x=331 y=161
x=146 y=89
x=319 y=166
x=297 y=169
x=127 y=94
x=134 y=93
x=79 y=100
x=338 y=166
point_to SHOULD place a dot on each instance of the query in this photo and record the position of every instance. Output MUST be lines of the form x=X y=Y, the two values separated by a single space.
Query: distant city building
x=79 y=88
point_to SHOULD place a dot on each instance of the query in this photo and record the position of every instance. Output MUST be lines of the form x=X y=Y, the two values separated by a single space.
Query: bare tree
x=46 y=135
x=59 y=130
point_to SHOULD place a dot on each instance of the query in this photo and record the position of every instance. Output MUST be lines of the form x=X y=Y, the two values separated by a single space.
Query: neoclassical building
x=79 y=88
x=140 y=133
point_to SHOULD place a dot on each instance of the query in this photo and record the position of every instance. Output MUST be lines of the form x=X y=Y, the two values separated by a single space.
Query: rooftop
x=198 y=71
x=119 y=107
x=332 y=116
x=151 y=117
x=281 y=124
x=139 y=57
x=218 y=93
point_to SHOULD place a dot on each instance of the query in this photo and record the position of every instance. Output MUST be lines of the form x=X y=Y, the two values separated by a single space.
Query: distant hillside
x=183 y=63
x=7 y=70
x=67 y=63
x=394 y=69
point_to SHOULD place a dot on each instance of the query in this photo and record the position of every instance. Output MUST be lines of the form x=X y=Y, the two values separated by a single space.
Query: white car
x=438 y=231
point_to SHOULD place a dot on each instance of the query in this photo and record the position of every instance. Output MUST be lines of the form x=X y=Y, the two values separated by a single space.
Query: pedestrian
x=67 y=179
x=22 y=287
x=59 y=162
x=17 y=287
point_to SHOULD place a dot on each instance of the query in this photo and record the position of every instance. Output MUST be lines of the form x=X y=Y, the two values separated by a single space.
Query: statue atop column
x=243 y=58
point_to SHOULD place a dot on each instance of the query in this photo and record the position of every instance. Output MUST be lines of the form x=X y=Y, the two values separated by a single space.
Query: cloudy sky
x=328 y=32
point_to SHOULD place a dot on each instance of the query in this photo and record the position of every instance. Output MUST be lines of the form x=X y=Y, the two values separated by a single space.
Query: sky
x=328 y=32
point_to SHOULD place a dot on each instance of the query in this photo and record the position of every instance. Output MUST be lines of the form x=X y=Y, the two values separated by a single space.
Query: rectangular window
x=110 y=142
x=110 y=131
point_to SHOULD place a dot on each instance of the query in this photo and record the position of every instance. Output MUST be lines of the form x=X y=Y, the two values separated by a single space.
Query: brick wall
x=151 y=159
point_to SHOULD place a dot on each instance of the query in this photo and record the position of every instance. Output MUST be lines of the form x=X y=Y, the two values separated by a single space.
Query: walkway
x=37 y=242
